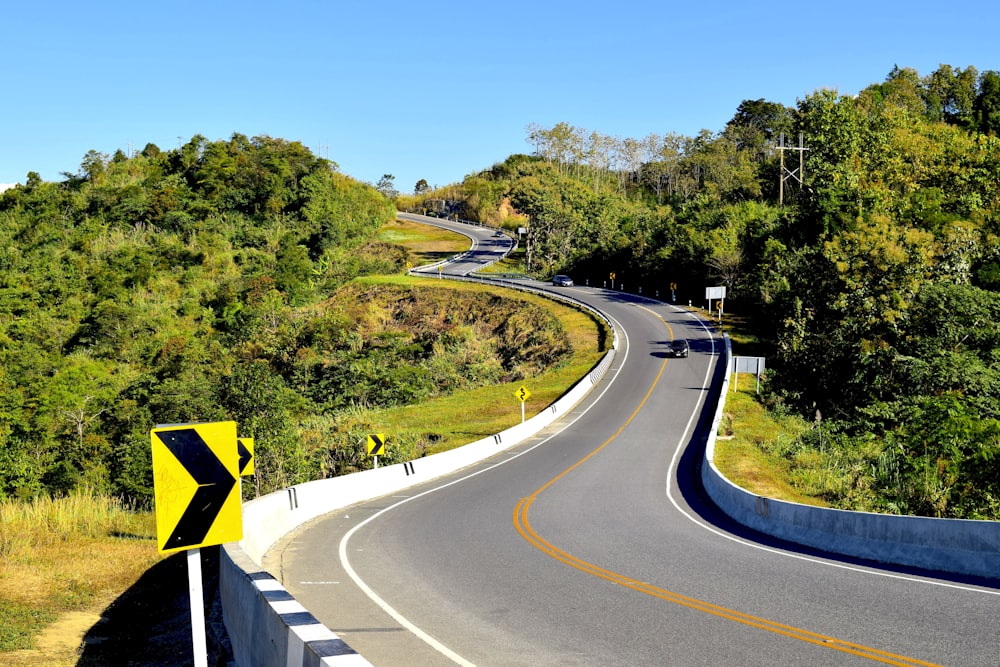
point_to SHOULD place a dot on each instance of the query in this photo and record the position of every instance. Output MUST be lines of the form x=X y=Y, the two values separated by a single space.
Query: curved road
x=590 y=545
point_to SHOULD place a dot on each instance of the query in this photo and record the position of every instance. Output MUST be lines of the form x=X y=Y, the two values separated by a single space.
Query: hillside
x=868 y=264
x=192 y=284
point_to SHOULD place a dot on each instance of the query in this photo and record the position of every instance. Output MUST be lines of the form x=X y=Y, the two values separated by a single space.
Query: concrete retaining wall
x=947 y=545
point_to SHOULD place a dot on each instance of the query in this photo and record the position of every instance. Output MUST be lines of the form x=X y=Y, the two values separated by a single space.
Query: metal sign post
x=753 y=365
x=196 y=471
x=197 y=594
x=718 y=293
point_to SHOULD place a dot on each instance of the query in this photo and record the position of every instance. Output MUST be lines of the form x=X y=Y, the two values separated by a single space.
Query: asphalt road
x=590 y=544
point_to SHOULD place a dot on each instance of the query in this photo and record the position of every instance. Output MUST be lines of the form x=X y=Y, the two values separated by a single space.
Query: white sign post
x=197 y=599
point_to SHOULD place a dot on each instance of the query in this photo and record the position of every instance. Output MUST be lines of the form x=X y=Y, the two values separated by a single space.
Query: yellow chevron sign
x=244 y=447
x=195 y=468
x=376 y=444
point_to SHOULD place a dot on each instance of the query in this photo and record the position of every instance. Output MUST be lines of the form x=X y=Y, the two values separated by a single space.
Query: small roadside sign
x=196 y=470
x=245 y=450
x=376 y=444
x=522 y=394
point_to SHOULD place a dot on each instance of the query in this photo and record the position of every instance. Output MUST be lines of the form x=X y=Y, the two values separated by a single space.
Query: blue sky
x=437 y=90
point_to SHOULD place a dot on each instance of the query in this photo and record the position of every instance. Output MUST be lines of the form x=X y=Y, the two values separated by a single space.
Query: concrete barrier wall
x=268 y=627
x=947 y=545
x=265 y=624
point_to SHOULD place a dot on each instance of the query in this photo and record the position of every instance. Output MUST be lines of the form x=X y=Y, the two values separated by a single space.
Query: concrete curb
x=268 y=626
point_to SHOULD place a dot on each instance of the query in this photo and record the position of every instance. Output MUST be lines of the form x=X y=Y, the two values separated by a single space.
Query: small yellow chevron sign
x=376 y=444
x=245 y=448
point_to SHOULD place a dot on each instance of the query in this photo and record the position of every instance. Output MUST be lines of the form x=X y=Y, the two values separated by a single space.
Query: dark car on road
x=678 y=348
x=562 y=281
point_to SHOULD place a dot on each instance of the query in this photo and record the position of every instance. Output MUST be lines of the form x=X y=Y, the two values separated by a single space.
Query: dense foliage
x=194 y=285
x=873 y=273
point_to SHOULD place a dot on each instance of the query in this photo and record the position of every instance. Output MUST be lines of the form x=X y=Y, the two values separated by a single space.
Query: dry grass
x=60 y=556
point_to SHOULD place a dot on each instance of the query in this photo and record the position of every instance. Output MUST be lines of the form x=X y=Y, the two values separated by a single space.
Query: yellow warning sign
x=522 y=394
x=376 y=444
x=245 y=449
x=195 y=468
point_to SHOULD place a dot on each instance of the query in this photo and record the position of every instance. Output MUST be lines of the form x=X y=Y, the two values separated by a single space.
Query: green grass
x=512 y=264
x=466 y=416
x=425 y=243
x=749 y=448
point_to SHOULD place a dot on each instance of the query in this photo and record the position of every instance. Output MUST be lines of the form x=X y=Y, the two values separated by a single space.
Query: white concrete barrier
x=264 y=632
x=947 y=545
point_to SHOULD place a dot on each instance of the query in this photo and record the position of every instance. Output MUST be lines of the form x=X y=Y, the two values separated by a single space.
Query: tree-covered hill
x=141 y=290
x=214 y=282
x=871 y=269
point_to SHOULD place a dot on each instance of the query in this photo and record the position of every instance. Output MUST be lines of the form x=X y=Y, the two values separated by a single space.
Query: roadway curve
x=590 y=544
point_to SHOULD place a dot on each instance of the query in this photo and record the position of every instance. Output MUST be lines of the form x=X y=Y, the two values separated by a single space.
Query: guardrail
x=956 y=546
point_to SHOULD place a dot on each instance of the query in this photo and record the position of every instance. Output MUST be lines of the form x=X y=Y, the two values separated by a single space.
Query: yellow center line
x=523 y=526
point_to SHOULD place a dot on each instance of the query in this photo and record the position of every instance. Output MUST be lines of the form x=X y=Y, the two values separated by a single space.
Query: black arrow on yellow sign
x=244 y=447
x=214 y=481
x=376 y=442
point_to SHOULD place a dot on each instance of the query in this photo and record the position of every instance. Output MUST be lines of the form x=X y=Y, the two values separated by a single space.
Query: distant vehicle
x=498 y=233
x=678 y=348
x=562 y=281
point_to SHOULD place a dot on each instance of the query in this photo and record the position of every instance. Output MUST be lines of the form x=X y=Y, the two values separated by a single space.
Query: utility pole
x=798 y=174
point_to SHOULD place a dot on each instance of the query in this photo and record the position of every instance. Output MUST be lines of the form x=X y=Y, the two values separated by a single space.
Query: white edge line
x=851 y=568
x=399 y=618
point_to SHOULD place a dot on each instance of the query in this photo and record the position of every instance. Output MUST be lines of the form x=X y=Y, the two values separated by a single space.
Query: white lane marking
x=374 y=597
x=810 y=559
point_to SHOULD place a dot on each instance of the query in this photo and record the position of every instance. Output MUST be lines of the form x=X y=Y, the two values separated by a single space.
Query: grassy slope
x=60 y=557
x=744 y=452
x=67 y=563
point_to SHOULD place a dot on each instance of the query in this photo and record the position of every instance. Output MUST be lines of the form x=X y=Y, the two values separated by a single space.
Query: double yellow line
x=523 y=526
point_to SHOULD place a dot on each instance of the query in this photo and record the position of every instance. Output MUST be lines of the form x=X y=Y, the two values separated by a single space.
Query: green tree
x=387 y=186
x=987 y=105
